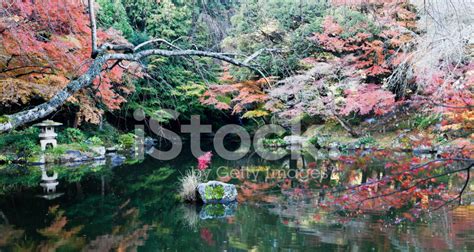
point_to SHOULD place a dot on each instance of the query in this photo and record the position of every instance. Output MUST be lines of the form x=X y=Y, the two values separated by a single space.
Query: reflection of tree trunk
x=321 y=196
x=293 y=163
x=4 y=217
x=327 y=174
x=102 y=180
x=80 y=193
x=364 y=176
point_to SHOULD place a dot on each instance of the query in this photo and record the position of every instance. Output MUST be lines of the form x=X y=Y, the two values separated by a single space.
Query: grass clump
x=188 y=184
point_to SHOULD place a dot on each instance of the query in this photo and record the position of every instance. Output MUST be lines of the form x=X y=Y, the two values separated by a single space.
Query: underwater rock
x=217 y=211
x=149 y=142
x=217 y=192
x=116 y=160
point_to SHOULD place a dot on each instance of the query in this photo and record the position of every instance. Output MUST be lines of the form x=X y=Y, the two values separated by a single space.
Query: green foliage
x=127 y=140
x=95 y=141
x=83 y=147
x=320 y=141
x=278 y=24
x=353 y=22
x=214 y=210
x=4 y=119
x=214 y=192
x=23 y=142
x=422 y=122
x=174 y=83
x=71 y=135
x=170 y=20
x=366 y=141
x=58 y=151
x=273 y=142
x=112 y=14
x=107 y=133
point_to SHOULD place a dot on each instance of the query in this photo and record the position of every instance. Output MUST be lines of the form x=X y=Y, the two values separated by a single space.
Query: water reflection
x=49 y=184
x=131 y=207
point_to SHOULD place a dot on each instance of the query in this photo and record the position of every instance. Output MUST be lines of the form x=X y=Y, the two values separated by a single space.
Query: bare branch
x=93 y=29
x=257 y=53
x=155 y=41
x=45 y=109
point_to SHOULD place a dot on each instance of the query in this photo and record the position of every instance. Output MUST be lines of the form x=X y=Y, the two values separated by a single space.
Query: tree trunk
x=347 y=127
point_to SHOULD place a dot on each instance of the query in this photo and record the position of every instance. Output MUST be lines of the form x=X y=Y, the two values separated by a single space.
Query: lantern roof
x=48 y=123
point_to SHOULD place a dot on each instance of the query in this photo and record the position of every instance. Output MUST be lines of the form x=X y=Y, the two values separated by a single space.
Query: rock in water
x=217 y=192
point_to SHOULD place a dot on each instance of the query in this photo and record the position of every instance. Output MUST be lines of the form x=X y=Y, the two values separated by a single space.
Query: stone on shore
x=217 y=192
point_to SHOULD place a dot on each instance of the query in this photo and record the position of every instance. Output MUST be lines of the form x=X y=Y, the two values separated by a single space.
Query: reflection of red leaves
x=207 y=236
x=317 y=217
x=409 y=216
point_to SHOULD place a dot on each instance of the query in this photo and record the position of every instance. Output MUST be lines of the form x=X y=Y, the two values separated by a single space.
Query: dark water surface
x=133 y=207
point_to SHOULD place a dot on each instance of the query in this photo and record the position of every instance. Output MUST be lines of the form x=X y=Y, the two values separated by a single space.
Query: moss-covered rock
x=217 y=192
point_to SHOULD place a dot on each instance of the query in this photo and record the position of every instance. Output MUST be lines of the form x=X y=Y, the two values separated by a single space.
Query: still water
x=133 y=207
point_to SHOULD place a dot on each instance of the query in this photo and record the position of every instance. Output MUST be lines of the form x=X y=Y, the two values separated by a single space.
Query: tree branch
x=45 y=109
x=101 y=57
x=94 y=52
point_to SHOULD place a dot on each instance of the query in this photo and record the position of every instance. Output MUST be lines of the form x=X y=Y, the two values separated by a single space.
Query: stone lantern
x=47 y=135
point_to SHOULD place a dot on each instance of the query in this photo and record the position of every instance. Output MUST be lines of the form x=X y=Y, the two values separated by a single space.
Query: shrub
x=22 y=142
x=365 y=141
x=58 y=151
x=127 y=140
x=107 y=133
x=95 y=141
x=71 y=135
x=422 y=122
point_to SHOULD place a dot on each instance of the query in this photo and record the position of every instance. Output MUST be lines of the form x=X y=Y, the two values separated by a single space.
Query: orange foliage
x=45 y=46
x=240 y=97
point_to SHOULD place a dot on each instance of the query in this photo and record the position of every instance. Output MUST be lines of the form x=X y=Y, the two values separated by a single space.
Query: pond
x=97 y=207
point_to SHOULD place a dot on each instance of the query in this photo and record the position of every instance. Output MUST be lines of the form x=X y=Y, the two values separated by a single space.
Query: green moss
x=4 y=119
x=214 y=192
